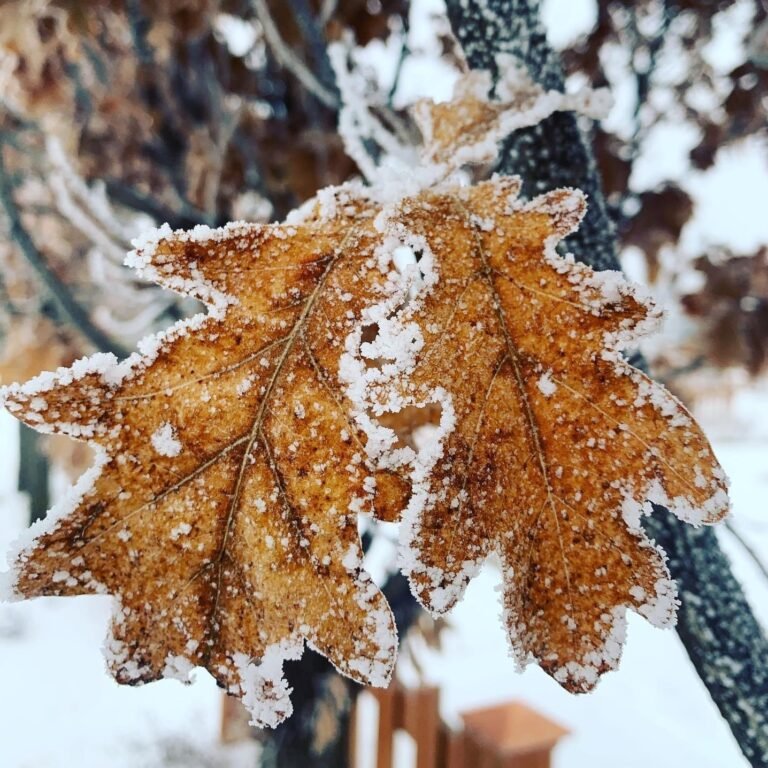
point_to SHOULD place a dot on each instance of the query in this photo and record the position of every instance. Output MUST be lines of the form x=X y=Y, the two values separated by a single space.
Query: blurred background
x=118 y=116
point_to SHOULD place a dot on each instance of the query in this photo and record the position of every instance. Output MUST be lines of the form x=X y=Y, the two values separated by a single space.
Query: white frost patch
x=660 y=609
x=27 y=540
x=178 y=668
x=182 y=529
x=351 y=560
x=444 y=597
x=262 y=687
x=164 y=440
x=245 y=385
x=403 y=257
x=546 y=386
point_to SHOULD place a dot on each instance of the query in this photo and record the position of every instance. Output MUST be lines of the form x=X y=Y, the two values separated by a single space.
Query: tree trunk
x=33 y=472
x=317 y=733
x=725 y=642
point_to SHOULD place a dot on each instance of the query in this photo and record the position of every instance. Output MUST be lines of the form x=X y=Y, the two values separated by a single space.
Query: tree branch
x=721 y=635
x=62 y=298
x=288 y=59
x=552 y=154
x=748 y=548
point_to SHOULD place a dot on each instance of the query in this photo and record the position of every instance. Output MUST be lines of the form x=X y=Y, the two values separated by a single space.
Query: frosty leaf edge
x=222 y=508
x=510 y=314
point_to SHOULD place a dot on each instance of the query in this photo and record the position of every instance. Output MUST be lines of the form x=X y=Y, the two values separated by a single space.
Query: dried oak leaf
x=469 y=128
x=222 y=509
x=551 y=446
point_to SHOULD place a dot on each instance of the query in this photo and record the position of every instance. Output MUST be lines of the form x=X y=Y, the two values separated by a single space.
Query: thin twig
x=60 y=293
x=327 y=10
x=312 y=32
x=405 y=51
x=132 y=198
x=748 y=548
x=288 y=59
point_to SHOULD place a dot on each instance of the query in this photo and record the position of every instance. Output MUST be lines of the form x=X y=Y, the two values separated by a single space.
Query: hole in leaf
x=367 y=336
x=369 y=333
x=413 y=425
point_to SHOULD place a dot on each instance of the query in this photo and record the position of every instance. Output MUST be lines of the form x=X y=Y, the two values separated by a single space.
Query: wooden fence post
x=510 y=735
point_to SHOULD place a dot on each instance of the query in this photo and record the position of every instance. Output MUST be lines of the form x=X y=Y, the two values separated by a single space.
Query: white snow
x=546 y=386
x=182 y=529
x=165 y=441
x=264 y=690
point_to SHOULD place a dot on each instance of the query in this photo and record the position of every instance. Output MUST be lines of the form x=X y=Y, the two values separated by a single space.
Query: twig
x=327 y=10
x=130 y=197
x=405 y=51
x=312 y=32
x=60 y=293
x=748 y=548
x=288 y=59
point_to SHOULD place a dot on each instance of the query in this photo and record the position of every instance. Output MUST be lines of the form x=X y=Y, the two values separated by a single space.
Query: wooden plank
x=428 y=727
x=453 y=756
x=387 y=699
x=352 y=735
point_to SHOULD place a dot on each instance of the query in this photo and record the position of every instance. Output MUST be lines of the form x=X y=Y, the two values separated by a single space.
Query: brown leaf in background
x=658 y=223
x=733 y=307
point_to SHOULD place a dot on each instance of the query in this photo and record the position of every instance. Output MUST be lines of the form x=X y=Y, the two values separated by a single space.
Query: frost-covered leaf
x=415 y=337
x=550 y=446
x=222 y=510
x=469 y=127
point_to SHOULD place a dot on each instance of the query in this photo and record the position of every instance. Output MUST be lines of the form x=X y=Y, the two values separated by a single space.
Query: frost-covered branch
x=366 y=139
x=63 y=299
x=721 y=634
x=288 y=59
x=135 y=306
x=554 y=153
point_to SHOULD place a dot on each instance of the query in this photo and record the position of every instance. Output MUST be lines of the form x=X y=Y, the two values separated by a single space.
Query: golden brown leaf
x=468 y=128
x=436 y=343
x=551 y=445
x=222 y=512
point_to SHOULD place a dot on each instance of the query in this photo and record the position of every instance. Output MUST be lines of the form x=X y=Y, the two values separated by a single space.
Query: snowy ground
x=58 y=707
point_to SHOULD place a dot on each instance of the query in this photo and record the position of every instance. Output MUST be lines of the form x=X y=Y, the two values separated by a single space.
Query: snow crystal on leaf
x=165 y=441
x=265 y=692
x=546 y=386
x=182 y=529
x=178 y=668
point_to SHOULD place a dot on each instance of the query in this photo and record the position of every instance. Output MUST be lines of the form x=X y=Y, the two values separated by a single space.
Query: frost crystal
x=164 y=440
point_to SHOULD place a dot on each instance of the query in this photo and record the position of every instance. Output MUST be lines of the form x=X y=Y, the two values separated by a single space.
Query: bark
x=33 y=472
x=317 y=733
x=725 y=642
